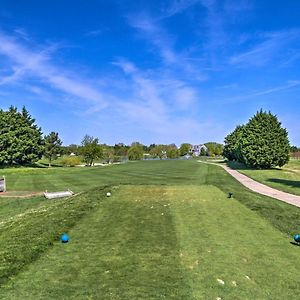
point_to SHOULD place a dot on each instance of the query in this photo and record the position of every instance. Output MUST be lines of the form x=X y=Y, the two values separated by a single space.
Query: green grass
x=28 y=227
x=121 y=248
x=286 y=179
x=84 y=178
x=160 y=242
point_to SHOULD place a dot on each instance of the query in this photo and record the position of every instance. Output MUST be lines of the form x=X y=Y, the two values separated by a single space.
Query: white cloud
x=159 y=105
x=155 y=34
x=33 y=63
x=177 y=7
x=289 y=85
x=96 y=32
x=264 y=51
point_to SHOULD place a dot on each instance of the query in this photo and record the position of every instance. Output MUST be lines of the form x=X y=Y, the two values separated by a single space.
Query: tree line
x=22 y=143
x=261 y=143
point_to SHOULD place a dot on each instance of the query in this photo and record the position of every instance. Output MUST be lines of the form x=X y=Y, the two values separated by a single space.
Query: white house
x=196 y=149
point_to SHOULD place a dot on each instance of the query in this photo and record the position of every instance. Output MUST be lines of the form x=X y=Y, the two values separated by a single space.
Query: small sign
x=2 y=184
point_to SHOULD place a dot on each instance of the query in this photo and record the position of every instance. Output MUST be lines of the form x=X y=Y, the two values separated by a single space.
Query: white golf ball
x=108 y=194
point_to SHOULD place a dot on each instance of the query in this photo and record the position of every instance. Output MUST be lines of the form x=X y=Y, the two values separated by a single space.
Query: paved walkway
x=259 y=187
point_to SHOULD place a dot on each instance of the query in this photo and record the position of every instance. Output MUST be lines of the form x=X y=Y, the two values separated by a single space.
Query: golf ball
x=64 y=238
x=108 y=194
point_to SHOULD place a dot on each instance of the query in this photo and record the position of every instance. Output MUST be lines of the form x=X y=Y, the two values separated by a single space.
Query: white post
x=3 y=185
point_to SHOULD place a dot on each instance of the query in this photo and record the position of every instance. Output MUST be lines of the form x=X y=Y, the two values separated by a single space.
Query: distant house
x=196 y=149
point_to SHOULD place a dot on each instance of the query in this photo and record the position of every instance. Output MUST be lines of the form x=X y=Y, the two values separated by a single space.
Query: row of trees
x=136 y=151
x=22 y=142
x=261 y=143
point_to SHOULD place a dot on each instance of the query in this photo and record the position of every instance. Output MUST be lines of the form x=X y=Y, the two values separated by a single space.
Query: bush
x=70 y=161
x=262 y=143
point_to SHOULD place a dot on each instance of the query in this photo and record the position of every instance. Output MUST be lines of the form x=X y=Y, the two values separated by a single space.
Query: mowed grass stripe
x=78 y=179
x=222 y=239
x=177 y=172
x=125 y=250
x=33 y=228
x=159 y=242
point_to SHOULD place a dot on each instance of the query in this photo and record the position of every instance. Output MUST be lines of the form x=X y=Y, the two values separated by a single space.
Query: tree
x=108 y=153
x=135 y=152
x=72 y=148
x=185 y=149
x=231 y=148
x=213 y=148
x=121 y=149
x=90 y=149
x=159 y=151
x=52 y=146
x=261 y=143
x=294 y=149
x=21 y=140
x=264 y=143
x=203 y=152
x=172 y=152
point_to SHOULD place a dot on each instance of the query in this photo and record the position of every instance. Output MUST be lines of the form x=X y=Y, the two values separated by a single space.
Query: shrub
x=70 y=161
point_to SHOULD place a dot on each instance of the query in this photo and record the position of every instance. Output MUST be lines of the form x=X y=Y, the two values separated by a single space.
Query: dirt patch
x=20 y=194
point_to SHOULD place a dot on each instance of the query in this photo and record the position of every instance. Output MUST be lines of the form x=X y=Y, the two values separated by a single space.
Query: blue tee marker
x=297 y=238
x=64 y=238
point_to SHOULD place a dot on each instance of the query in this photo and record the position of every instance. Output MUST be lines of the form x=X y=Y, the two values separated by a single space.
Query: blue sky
x=151 y=71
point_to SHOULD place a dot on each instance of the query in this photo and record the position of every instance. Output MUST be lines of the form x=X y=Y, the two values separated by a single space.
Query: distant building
x=196 y=149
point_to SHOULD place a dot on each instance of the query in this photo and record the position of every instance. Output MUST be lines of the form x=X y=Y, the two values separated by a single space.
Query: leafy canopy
x=21 y=140
x=261 y=143
x=90 y=149
x=52 y=146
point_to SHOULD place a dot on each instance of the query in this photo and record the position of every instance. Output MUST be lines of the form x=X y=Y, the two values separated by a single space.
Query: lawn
x=168 y=232
x=164 y=242
x=286 y=179
x=83 y=178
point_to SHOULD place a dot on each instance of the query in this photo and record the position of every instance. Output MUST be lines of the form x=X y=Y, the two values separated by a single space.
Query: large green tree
x=264 y=143
x=135 y=152
x=159 y=151
x=52 y=146
x=213 y=148
x=231 y=148
x=185 y=148
x=261 y=143
x=90 y=149
x=172 y=152
x=21 y=140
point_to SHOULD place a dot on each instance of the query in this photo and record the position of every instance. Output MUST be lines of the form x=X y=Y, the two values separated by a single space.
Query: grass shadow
x=18 y=166
x=46 y=165
x=239 y=166
x=291 y=183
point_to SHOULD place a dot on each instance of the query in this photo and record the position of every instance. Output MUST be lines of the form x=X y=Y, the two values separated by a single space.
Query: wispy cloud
x=263 y=52
x=151 y=30
x=156 y=35
x=289 y=85
x=96 y=32
x=177 y=7
x=29 y=62
x=155 y=103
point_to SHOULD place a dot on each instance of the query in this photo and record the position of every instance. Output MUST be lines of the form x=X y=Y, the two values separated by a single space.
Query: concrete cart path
x=259 y=187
